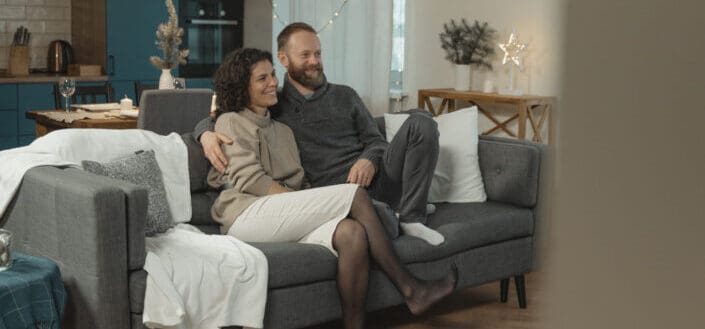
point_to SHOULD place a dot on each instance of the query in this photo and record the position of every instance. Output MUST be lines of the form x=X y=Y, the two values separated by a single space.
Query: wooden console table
x=534 y=108
x=44 y=124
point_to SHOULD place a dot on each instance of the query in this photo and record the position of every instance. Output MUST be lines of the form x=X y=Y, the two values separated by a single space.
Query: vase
x=166 y=80
x=462 y=77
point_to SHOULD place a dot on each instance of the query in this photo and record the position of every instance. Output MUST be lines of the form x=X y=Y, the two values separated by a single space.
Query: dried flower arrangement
x=168 y=40
x=466 y=44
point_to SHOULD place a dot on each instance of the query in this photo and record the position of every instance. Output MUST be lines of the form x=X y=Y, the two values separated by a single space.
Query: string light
x=336 y=14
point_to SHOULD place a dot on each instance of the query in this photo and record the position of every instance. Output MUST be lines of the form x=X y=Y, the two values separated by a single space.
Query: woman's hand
x=276 y=188
x=211 y=141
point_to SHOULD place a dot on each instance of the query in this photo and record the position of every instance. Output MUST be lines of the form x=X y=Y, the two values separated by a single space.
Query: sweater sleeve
x=207 y=124
x=244 y=172
x=374 y=143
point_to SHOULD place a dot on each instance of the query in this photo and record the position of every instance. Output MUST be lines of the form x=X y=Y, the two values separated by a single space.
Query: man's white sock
x=423 y=232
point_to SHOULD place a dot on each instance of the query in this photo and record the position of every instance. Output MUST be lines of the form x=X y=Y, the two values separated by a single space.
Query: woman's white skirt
x=306 y=216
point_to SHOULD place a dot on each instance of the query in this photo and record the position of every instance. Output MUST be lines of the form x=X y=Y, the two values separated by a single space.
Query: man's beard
x=308 y=80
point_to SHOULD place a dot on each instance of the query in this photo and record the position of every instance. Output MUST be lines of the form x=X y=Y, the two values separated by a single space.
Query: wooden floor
x=471 y=308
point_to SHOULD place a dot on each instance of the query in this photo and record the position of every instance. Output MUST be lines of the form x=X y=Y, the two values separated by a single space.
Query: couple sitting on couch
x=340 y=144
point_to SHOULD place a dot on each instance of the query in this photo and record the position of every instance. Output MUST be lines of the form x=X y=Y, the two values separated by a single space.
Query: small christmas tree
x=168 y=40
x=468 y=44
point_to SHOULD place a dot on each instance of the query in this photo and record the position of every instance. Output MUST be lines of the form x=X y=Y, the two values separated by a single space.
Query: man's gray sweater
x=332 y=127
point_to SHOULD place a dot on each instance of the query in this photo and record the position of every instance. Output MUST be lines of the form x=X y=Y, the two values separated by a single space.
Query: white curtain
x=356 y=48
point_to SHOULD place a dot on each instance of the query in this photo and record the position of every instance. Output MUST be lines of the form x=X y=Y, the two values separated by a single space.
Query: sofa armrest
x=510 y=169
x=87 y=224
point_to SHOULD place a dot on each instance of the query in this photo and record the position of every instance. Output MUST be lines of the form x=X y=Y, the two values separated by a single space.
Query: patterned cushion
x=142 y=170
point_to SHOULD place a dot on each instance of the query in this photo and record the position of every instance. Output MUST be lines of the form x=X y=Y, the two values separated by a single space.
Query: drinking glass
x=67 y=87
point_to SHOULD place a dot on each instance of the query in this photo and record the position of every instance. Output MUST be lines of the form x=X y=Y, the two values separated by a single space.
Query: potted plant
x=168 y=40
x=467 y=45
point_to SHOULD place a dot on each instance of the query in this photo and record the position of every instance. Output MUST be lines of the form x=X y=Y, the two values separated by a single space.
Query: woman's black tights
x=362 y=236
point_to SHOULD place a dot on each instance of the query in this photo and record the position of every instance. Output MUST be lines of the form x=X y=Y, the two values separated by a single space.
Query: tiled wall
x=47 y=20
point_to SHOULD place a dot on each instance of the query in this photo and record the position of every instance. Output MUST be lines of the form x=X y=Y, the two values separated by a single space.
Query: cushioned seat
x=465 y=226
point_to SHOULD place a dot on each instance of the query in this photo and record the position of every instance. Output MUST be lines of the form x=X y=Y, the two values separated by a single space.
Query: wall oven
x=212 y=29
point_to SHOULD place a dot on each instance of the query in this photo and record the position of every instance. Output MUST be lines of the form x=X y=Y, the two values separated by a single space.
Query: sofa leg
x=503 y=290
x=521 y=290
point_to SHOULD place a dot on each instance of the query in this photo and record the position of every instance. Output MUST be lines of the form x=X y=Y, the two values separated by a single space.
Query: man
x=338 y=139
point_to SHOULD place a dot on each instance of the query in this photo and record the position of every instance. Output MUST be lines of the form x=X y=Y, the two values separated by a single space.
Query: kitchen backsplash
x=47 y=20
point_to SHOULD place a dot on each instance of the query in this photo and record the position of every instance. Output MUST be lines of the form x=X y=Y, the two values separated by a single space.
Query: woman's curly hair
x=232 y=79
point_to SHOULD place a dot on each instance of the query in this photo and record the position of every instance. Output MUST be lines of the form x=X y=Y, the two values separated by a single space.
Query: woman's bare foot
x=430 y=292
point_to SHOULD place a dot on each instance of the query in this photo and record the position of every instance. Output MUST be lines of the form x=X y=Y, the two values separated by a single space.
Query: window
x=396 y=80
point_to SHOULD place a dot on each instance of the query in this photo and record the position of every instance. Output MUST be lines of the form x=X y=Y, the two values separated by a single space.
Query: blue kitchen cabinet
x=32 y=97
x=130 y=27
x=199 y=83
x=8 y=129
x=8 y=123
x=16 y=99
x=8 y=116
x=8 y=96
x=8 y=142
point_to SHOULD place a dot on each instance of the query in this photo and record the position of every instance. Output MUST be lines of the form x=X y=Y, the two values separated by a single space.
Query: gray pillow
x=142 y=170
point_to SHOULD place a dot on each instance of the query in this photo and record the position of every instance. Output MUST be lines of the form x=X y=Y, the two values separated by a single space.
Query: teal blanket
x=31 y=294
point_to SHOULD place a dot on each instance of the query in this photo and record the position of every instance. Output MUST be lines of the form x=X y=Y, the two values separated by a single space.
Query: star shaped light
x=513 y=50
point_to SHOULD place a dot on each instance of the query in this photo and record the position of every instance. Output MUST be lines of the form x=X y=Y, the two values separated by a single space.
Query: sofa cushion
x=289 y=264
x=510 y=170
x=198 y=165
x=297 y=263
x=201 y=203
x=466 y=226
x=140 y=169
x=387 y=217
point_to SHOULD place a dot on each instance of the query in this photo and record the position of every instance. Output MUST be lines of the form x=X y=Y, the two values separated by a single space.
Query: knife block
x=19 y=61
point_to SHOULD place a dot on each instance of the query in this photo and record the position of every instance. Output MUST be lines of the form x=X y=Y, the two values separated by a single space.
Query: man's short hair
x=283 y=37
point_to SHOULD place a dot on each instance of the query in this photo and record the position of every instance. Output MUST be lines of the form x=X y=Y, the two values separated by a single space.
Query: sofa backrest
x=176 y=110
x=510 y=168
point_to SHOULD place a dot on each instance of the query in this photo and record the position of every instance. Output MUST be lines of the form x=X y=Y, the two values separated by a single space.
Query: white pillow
x=457 y=177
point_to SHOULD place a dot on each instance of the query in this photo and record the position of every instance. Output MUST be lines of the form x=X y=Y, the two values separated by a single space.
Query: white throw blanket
x=218 y=281
x=194 y=280
x=67 y=147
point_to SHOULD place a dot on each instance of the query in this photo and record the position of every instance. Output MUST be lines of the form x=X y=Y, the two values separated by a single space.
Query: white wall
x=629 y=192
x=537 y=23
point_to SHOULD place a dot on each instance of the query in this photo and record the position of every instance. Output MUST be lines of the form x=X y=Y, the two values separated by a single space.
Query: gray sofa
x=92 y=226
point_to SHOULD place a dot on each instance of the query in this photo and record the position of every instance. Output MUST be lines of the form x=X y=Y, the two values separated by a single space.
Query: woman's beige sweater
x=263 y=151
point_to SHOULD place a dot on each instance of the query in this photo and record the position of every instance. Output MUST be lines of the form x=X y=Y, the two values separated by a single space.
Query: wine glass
x=67 y=86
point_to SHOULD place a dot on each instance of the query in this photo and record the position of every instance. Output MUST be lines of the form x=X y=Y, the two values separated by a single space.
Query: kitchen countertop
x=46 y=77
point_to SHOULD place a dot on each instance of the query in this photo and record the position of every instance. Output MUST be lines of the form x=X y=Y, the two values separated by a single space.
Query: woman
x=264 y=199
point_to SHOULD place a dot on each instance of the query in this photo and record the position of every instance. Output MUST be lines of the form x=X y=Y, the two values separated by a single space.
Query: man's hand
x=362 y=173
x=211 y=149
